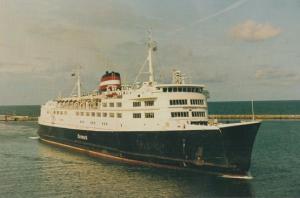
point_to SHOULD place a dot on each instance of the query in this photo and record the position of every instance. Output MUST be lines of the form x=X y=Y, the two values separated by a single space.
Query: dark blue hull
x=225 y=151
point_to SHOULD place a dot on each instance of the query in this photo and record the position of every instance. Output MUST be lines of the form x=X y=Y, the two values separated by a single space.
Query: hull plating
x=224 y=151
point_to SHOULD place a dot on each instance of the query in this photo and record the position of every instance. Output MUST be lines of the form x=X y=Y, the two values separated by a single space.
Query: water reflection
x=67 y=173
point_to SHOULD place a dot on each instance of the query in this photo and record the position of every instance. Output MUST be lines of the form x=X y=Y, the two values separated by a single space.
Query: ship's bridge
x=192 y=88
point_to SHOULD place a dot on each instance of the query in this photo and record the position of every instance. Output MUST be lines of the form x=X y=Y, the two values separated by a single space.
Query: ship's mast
x=151 y=48
x=78 y=83
x=77 y=86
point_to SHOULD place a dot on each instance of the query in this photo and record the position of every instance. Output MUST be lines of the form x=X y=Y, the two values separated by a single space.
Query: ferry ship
x=150 y=124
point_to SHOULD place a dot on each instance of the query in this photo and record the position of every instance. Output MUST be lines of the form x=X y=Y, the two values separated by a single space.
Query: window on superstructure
x=178 y=102
x=104 y=104
x=180 y=114
x=149 y=115
x=119 y=115
x=65 y=112
x=198 y=114
x=111 y=104
x=77 y=113
x=104 y=114
x=136 y=104
x=179 y=89
x=136 y=115
x=98 y=114
x=165 y=89
x=149 y=103
x=169 y=89
x=81 y=113
x=93 y=114
x=111 y=115
x=119 y=104
x=197 y=102
x=87 y=113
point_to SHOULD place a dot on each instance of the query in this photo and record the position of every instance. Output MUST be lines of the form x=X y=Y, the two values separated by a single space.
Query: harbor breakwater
x=256 y=117
x=17 y=118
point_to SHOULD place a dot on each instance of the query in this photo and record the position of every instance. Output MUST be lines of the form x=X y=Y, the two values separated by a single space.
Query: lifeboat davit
x=110 y=81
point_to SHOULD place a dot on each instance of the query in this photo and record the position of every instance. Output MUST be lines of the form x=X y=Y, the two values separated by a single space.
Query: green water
x=29 y=168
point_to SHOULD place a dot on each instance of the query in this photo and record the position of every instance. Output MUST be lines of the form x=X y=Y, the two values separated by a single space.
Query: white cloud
x=253 y=31
x=275 y=75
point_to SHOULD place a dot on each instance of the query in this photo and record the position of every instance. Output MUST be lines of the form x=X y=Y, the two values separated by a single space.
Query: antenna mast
x=77 y=86
x=151 y=48
x=78 y=83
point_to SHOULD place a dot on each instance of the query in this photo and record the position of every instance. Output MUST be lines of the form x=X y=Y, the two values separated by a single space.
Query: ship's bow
x=238 y=143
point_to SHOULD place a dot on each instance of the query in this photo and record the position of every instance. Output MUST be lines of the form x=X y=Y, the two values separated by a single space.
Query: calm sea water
x=29 y=168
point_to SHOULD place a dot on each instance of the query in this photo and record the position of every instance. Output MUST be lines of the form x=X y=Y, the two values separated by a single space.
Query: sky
x=240 y=49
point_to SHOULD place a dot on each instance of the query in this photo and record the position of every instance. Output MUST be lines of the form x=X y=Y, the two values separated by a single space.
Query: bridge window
x=183 y=89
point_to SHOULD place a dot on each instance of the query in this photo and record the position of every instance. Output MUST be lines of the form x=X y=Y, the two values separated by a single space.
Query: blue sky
x=241 y=49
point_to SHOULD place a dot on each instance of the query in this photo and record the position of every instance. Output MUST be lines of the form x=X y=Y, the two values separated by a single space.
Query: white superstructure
x=145 y=107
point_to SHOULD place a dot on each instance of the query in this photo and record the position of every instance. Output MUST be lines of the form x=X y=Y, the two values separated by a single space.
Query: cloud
x=276 y=75
x=253 y=31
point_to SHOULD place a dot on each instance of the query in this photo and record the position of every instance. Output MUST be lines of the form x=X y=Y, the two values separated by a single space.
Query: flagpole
x=252 y=105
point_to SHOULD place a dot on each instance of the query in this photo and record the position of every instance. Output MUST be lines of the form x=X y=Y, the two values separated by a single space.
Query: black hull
x=224 y=151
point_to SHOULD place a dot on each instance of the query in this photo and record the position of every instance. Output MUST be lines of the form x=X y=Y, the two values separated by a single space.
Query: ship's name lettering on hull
x=82 y=137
